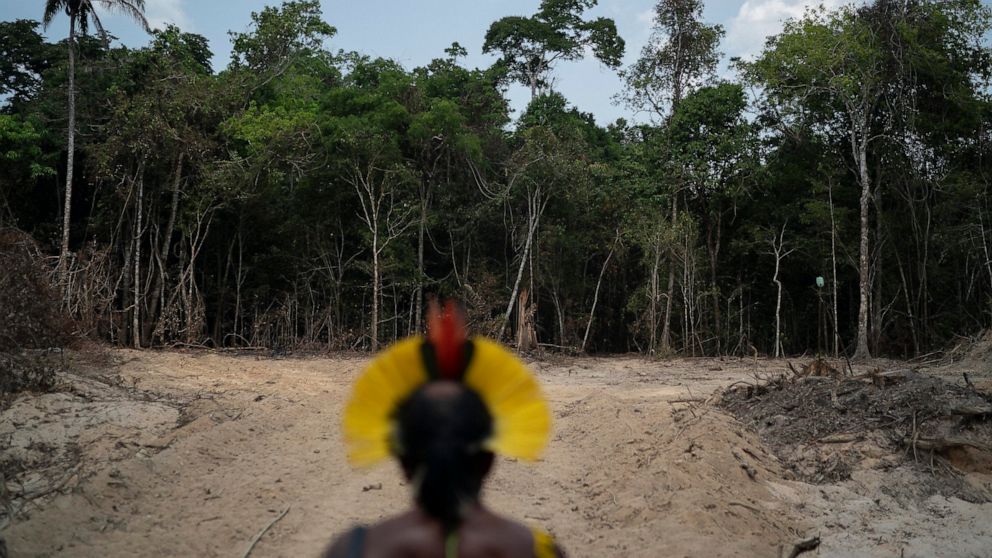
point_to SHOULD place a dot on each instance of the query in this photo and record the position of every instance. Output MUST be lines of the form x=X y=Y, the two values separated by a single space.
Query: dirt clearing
x=197 y=454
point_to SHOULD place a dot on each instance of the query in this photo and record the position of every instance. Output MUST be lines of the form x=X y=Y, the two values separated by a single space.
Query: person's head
x=442 y=428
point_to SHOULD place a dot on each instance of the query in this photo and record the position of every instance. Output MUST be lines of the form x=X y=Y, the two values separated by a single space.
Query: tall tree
x=81 y=13
x=834 y=61
x=530 y=46
x=714 y=153
x=681 y=55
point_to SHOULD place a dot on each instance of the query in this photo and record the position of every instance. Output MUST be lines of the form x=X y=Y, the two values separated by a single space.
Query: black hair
x=442 y=428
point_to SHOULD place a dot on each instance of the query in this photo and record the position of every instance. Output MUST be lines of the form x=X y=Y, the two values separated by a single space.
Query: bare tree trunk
x=985 y=245
x=655 y=297
x=909 y=307
x=666 y=334
x=861 y=351
x=238 y=319
x=376 y=287
x=419 y=295
x=526 y=337
x=163 y=253
x=533 y=219
x=833 y=263
x=374 y=188
x=560 y=314
x=595 y=298
x=136 y=315
x=778 y=249
x=70 y=148
x=877 y=312
x=713 y=243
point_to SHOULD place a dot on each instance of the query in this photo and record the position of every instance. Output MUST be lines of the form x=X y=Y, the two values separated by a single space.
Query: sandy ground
x=195 y=454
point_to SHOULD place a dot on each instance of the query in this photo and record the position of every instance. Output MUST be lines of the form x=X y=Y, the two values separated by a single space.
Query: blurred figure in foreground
x=443 y=407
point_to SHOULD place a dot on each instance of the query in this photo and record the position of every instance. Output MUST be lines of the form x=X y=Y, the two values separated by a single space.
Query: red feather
x=446 y=332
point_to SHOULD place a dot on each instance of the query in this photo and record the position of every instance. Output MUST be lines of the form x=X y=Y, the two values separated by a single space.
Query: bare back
x=414 y=534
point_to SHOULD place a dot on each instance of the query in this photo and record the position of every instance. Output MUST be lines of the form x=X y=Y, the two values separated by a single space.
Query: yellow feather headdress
x=521 y=418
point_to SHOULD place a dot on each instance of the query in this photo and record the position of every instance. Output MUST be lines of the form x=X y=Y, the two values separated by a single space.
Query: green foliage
x=681 y=54
x=294 y=30
x=255 y=185
x=24 y=57
x=712 y=145
x=530 y=46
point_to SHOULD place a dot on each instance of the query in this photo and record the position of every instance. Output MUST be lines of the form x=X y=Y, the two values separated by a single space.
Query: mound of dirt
x=693 y=474
x=979 y=356
x=825 y=428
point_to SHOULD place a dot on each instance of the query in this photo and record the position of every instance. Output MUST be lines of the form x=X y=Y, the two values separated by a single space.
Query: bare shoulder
x=494 y=535
x=538 y=542
x=401 y=530
x=342 y=544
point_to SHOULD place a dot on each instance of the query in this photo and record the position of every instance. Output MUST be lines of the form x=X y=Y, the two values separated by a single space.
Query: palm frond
x=133 y=9
x=52 y=9
x=87 y=13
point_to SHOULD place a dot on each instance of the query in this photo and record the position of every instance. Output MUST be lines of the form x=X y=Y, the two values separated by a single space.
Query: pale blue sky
x=415 y=31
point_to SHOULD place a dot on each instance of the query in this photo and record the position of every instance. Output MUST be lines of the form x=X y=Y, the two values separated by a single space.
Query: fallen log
x=841 y=438
x=943 y=444
x=970 y=409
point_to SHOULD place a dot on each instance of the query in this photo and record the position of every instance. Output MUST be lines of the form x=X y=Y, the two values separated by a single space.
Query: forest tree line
x=832 y=195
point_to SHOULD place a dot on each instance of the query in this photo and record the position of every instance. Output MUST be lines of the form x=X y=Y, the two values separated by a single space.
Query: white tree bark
x=136 y=313
x=595 y=298
x=71 y=149
x=535 y=207
x=833 y=263
x=374 y=187
x=778 y=249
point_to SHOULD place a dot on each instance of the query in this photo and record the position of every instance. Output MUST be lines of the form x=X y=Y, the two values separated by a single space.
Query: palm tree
x=81 y=13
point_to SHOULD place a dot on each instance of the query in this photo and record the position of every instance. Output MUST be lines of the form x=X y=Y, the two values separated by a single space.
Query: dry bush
x=30 y=316
x=30 y=371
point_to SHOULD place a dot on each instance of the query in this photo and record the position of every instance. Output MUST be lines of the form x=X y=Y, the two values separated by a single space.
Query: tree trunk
x=778 y=309
x=862 y=352
x=985 y=244
x=376 y=287
x=677 y=91
x=713 y=243
x=833 y=263
x=666 y=329
x=595 y=297
x=526 y=336
x=877 y=311
x=778 y=249
x=163 y=253
x=136 y=315
x=532 y=222
x=560 y=314
x=70 y=148
x=655 y=296
x=419 y=296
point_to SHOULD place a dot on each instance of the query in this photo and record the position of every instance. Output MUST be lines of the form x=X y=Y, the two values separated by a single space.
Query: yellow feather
x=522 y=420
x=368 y=416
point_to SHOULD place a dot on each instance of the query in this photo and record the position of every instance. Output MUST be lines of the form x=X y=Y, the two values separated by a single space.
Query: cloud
x=646 y=18
x=758 y=19
x=161 y=13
